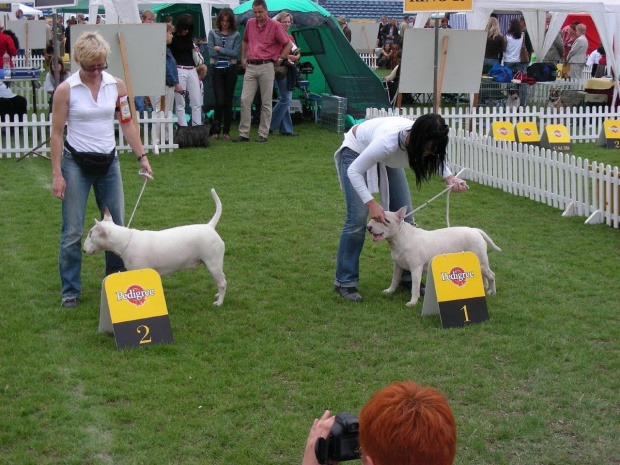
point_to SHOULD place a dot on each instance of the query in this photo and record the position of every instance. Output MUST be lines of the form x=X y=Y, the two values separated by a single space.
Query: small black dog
x=192 y=136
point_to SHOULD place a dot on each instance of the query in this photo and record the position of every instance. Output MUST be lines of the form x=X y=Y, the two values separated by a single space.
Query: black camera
x=342 y=443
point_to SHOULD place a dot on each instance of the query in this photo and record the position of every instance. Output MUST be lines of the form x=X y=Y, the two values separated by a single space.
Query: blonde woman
x=87 y=102
x=496 y=44
x=281 y=114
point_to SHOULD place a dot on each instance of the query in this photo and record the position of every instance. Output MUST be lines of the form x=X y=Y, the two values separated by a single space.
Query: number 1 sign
x=455 y=291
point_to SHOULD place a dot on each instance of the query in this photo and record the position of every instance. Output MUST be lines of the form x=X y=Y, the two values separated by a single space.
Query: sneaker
x=292 y=134
x=241 y=139
x=70 y=302
x=261 y=139
x=349 y=293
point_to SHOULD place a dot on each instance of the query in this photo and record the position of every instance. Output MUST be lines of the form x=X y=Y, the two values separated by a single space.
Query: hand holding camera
x=333 y=439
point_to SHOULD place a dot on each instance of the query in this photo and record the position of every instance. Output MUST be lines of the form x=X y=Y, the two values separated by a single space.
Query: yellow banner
x=503 y=130
x=135 y=295
x=438 y=5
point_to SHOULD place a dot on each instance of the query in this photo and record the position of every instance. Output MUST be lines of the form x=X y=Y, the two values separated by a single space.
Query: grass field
x=536 y=384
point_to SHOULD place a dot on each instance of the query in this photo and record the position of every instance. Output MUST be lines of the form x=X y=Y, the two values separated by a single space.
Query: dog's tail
x=488 y=240
x=218 y=210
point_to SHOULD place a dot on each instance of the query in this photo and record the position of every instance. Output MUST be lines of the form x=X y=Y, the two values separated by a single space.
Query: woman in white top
x=87 y=102
x=393 y=143
x=514 y=41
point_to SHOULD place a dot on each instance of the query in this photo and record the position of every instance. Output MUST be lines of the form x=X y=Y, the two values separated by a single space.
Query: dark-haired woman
x=224 y=45
x=393 y=143
x=182 y=47
x=514 y=41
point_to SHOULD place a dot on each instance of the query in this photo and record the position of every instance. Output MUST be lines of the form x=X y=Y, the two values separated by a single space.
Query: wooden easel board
x=37 y=33
x=464 y=59
x=364 y=36
x=145 y=46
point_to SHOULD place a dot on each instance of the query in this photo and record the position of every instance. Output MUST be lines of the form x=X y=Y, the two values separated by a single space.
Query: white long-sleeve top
x=377 y=142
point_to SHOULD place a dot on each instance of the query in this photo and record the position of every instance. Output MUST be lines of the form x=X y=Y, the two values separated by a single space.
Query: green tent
x=338 y=69
x=177 y=9
x=81 y=6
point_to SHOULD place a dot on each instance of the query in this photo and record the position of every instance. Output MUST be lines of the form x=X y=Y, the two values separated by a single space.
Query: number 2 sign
x=133 y=307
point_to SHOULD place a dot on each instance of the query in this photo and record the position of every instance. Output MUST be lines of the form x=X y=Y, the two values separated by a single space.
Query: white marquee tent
x=604 y=13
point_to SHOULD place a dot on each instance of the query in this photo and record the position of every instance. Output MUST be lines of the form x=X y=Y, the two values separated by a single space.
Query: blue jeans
x=354 y=230
x=108 y=193
x=281 y=113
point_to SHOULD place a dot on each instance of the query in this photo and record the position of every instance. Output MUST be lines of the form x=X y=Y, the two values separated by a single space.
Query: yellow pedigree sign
x=556 y=137
x=455 y=290
x=135 y=295
x=527 y=133
x=612 y=134
x=457 y=276
x=557 y=134
x=438 y=5
x=503 y=130
x=612 y=128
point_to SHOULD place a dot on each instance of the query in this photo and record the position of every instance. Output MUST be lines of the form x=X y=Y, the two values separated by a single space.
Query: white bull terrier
x=413 y=248
x=166 y=251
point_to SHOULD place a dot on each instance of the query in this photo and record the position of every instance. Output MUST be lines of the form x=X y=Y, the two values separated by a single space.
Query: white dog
x=164 y=251
x=413 y=248
x=512 y=100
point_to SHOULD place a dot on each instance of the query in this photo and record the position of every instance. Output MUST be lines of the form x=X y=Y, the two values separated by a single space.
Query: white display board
x=145 y=49
x=37 y=33
x=364 y=36
x=463 y=65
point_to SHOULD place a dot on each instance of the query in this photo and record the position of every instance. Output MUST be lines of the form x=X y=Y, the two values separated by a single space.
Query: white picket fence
x=370 y=59
x=560 y=180
x=18 y=138
x=584 y=124
x=34 y=61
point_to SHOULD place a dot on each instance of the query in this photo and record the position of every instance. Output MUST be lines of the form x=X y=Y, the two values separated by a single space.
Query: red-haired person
x=402 y=424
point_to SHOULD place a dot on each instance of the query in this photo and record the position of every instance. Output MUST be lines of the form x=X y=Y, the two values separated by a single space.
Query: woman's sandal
x=215 y=136
x=225 y=137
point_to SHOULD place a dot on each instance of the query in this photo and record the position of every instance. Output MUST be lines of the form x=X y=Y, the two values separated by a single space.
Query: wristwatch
x=141 y=156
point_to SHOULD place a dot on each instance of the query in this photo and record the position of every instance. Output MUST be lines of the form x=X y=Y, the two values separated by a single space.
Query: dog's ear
x=106 y=215
x=96 y=221
x=400 y=214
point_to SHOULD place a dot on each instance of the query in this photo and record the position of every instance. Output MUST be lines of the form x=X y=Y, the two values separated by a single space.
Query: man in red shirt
x=266 y=45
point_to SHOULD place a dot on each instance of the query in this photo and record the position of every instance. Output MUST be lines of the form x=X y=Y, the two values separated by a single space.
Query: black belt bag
x=93 y=163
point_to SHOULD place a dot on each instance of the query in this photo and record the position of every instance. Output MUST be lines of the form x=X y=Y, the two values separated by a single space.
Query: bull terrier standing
x=166 y=251
x=413 y=248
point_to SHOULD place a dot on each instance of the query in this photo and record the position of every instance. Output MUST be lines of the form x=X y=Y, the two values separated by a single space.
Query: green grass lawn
x=536 y=384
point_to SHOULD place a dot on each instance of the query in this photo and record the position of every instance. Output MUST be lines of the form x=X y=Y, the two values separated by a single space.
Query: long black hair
x=429 y=127
x=185 y=22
